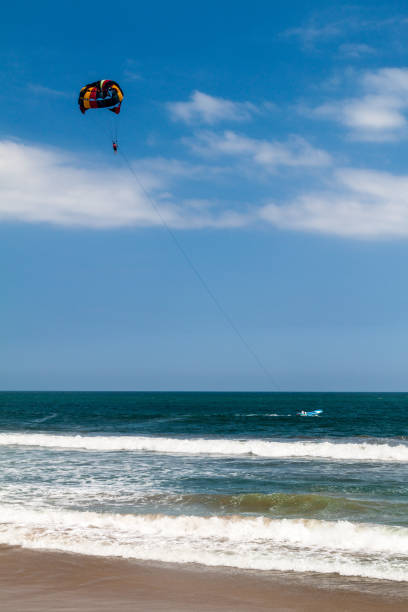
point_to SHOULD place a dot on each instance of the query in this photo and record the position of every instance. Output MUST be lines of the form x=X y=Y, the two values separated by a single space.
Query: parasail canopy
x=101 y=94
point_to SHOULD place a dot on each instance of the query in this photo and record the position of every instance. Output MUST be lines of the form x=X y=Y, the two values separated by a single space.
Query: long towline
x=198 y=274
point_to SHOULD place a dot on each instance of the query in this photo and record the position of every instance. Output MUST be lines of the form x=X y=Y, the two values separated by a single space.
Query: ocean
x=218 y=479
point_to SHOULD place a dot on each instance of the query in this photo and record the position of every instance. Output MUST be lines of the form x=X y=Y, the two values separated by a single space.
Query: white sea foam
x=350 y=549
x=46 y=418
x=349 y=451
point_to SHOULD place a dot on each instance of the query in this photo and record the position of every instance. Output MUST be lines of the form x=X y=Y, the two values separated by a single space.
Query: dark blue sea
x=221 y=479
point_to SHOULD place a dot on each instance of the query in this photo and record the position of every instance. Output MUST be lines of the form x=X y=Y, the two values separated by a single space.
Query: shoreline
x=47 y=581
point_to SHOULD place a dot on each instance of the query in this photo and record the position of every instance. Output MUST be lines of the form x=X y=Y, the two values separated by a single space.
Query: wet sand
x=38 y=581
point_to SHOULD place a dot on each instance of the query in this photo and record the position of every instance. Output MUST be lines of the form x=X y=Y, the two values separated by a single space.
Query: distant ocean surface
x=220 y=479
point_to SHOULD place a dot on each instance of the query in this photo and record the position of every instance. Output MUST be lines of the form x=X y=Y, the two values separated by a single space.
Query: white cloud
x=267 y=154
x=379 y=113
x=391 y=80
x=202 y=108
x=360 y=204
x=370 y=113
x=39 y=185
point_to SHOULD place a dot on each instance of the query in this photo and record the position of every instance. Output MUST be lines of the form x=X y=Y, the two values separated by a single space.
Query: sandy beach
x=38 y=581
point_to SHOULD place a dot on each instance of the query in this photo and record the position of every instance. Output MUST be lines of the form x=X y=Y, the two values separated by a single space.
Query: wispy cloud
x=203 y=108
x=379 y=113
x=130 y=75
x=42 y=90
x=312 y=32
x=349 y=22
x=39 y=185
x=356 y=50
x=132 y=70
x=360 y=204
x=296 y=151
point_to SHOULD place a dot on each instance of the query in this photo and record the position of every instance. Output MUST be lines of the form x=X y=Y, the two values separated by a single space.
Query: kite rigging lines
x=108 y=95
x=198 y=274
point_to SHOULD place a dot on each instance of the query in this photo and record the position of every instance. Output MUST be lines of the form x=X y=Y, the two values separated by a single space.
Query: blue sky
x=273 y=139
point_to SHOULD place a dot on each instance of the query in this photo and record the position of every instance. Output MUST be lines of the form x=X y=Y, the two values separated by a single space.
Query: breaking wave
x=348 y=451
x=343 y=547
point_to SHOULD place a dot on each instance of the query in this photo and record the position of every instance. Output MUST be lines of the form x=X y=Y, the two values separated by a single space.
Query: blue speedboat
x=311 y=413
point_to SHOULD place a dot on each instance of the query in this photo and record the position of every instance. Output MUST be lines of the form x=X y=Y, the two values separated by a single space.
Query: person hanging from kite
x=104 y=94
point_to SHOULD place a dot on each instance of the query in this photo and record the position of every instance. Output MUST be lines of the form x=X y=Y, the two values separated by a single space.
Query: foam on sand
x=343 y=547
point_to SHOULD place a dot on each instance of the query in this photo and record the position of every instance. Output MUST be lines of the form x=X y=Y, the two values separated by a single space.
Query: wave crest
x=346 y=451
x=350 y=549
